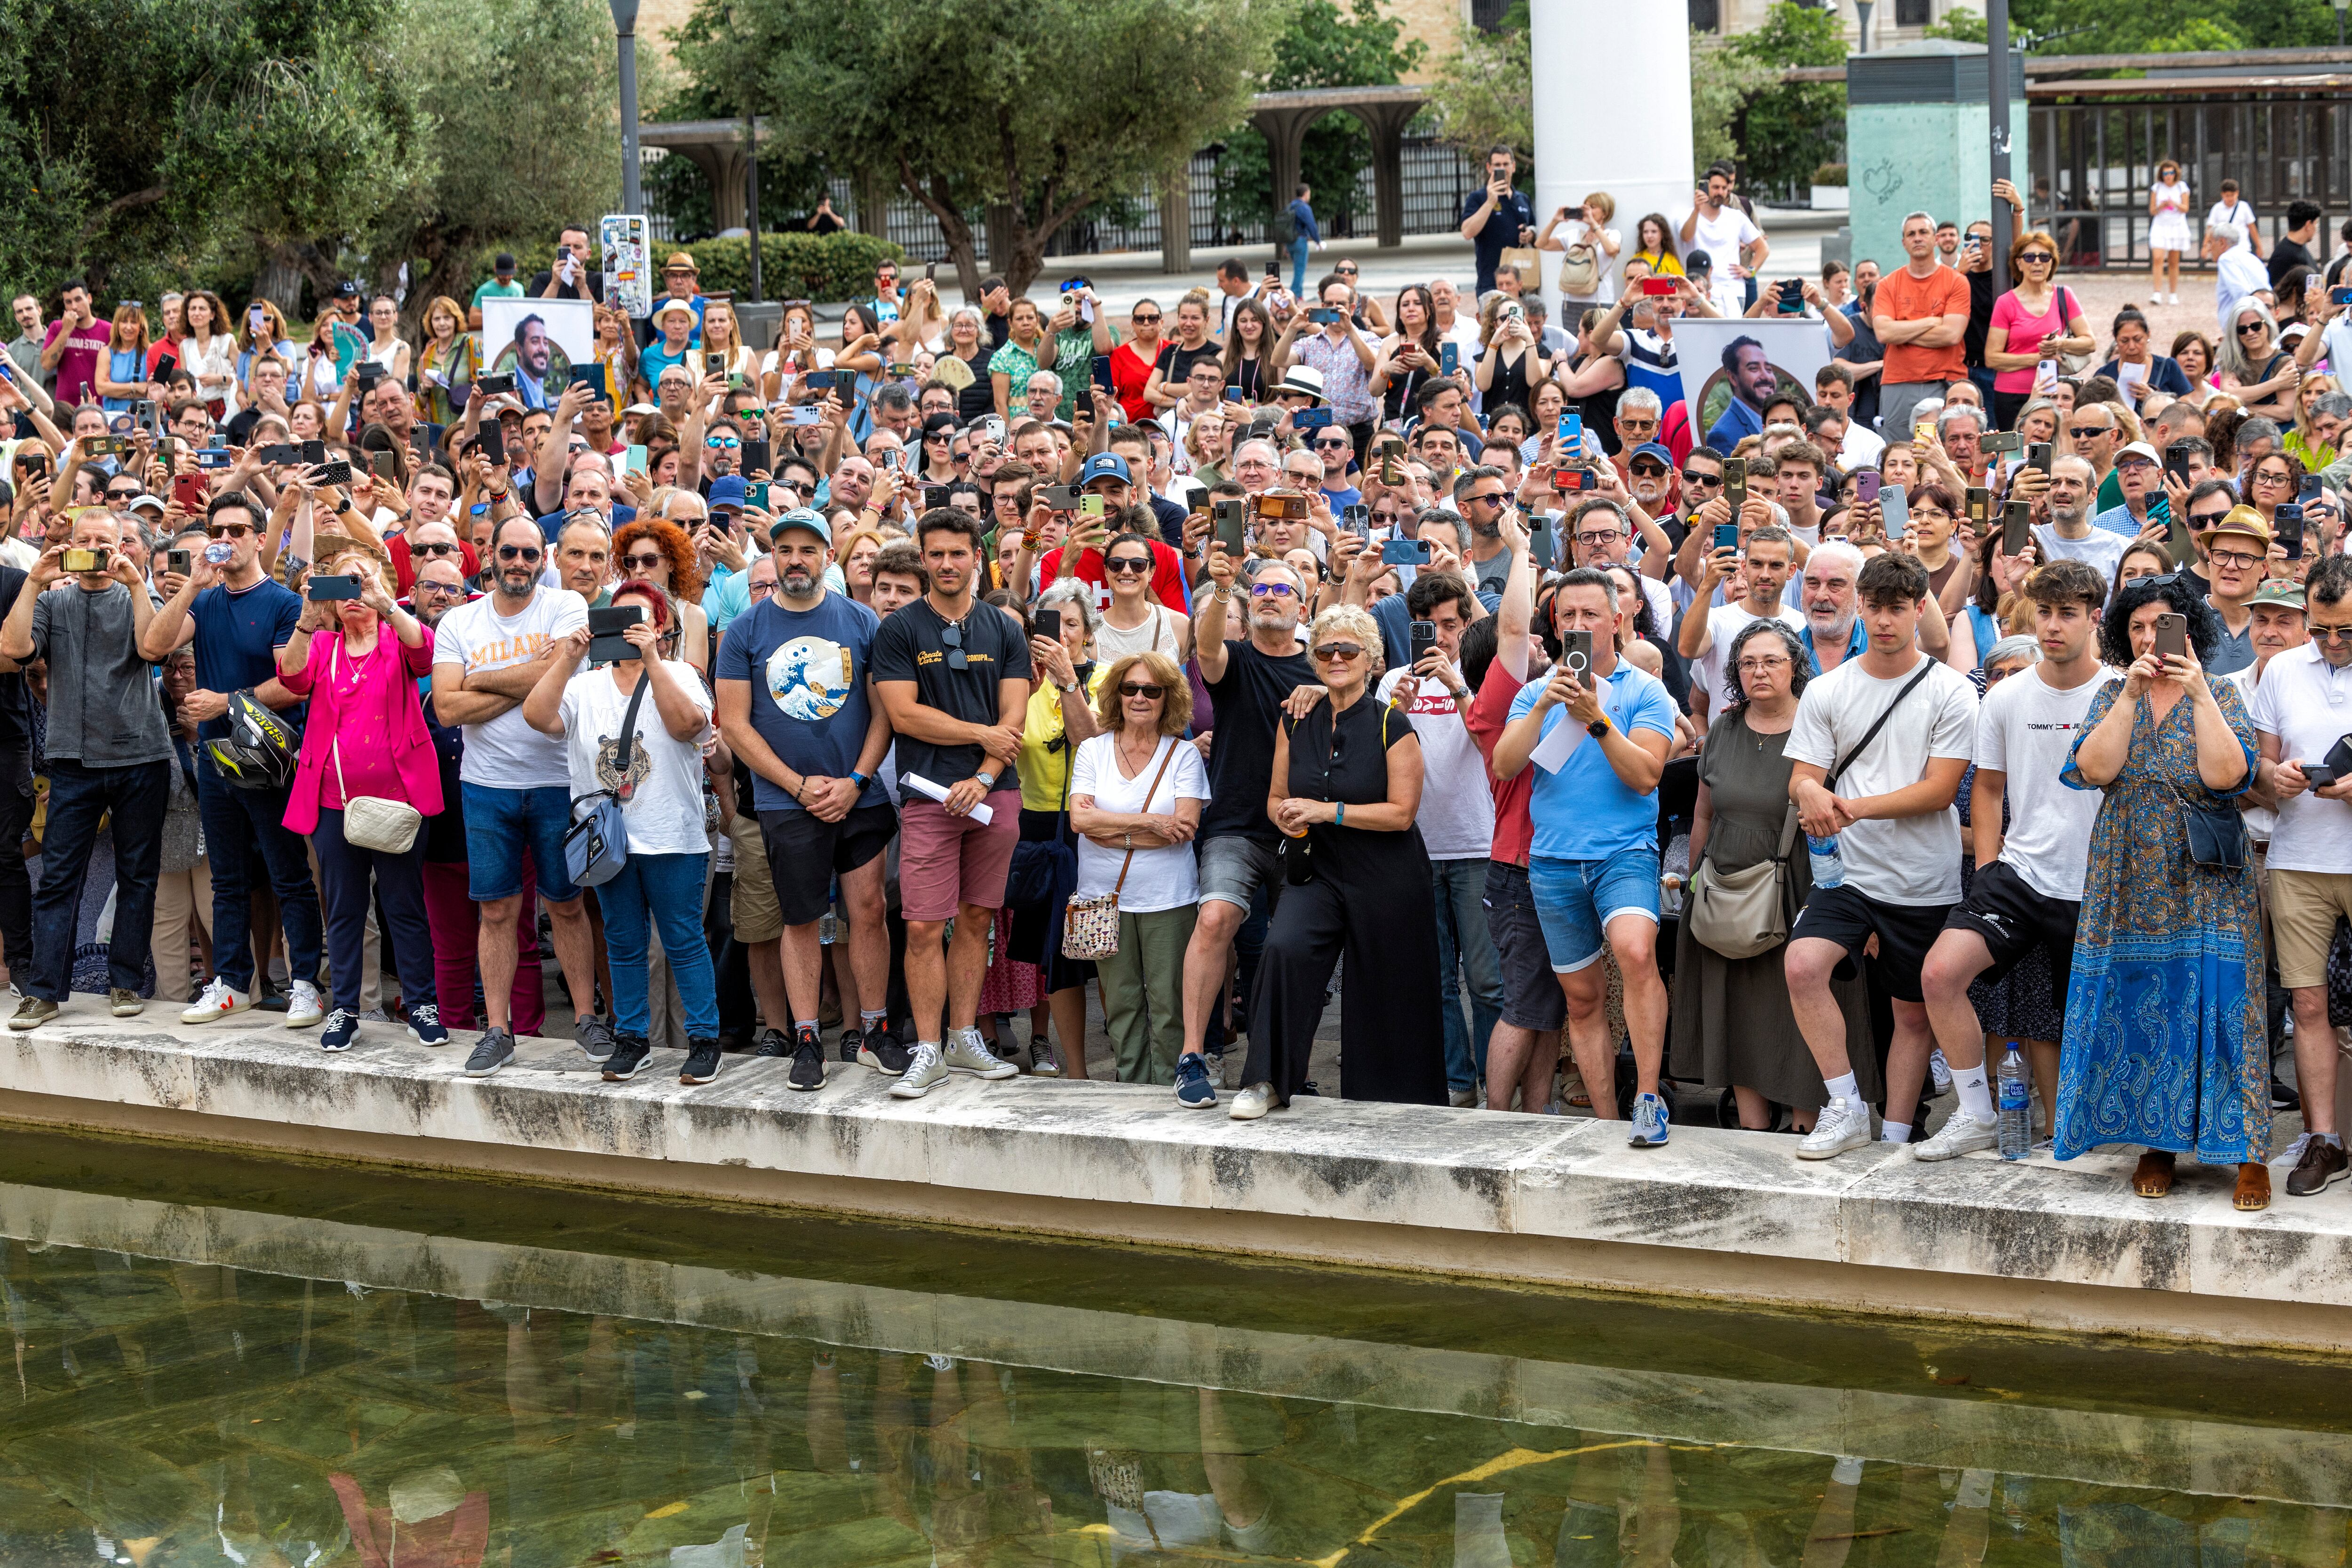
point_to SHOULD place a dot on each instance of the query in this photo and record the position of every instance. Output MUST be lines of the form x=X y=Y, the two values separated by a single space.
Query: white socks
x=1843 y=1087
x=1894 y=1132
x=1976 y=1095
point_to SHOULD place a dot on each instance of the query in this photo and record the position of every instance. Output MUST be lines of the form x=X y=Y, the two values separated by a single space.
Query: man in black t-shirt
x=1247 y=677
x=953 y=676
x=573 y=275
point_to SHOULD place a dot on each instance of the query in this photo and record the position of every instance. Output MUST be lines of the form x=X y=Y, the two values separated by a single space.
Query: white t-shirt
x=1465 y=333
x=505 y=753
x=1457 y=804
x=1166 y=878
x=665 y=810
x=2260 y=820
x=2103 y=550
x=2025 y=730
x=1724 y=623
x=2238 y=213
x=1911 y=860
x=1861 y=448
x=2307 y=702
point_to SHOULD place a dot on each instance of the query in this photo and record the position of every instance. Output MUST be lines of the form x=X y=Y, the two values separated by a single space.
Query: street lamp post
x=1997 y=73
x=2341 y=6
x=1862 y=9
x=624 y=21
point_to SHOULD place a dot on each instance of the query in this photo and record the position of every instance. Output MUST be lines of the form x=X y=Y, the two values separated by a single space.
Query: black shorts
x=1904 y=932
x=1532 y=998
x=805 y=853
x=2013 y=920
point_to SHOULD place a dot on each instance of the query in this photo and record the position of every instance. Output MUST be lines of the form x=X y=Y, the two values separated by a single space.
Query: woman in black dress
x=1347 y=785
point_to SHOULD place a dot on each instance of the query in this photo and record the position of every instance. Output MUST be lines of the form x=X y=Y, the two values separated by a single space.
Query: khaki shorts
x=2303 y=908
x=753 y=902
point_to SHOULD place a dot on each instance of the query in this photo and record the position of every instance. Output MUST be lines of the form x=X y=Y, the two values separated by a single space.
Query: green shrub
x=792 y=265
x=1830 y=174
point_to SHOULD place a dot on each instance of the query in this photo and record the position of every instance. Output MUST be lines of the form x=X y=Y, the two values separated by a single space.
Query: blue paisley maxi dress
x=2165 y=1041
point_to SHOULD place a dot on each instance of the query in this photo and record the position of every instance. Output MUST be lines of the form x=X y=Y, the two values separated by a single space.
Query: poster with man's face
x=1752 y=359
x=538 y=341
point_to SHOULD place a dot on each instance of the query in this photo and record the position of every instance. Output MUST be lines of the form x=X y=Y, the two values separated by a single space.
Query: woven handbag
x=1090 y=928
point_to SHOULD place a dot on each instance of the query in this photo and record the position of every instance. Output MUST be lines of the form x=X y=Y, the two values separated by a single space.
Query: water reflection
x=169 y=1408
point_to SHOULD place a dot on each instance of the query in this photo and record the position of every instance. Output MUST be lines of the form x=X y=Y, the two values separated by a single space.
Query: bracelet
x=1340 y=820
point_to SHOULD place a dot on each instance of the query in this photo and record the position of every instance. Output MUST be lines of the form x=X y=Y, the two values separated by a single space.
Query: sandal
x=2152 y=1176
x=2253 y=1187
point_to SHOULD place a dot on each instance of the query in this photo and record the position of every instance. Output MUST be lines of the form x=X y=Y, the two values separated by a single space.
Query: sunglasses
x=1693 y=477
x=1333 y=446
x=726 y=443
x=2079 y=431
x=437 y=549
x=227 y=531
x=951 y=638
x=1648 y=470
x=640 y=563
x=1140 y=321
x=518 y=553
x=2331 y=634
x=942 y=436
x=1333 y=651
x=1260 y=590
x=1137 y=689
x=2248 y=329
x=1126 y=563
x=2040 y=256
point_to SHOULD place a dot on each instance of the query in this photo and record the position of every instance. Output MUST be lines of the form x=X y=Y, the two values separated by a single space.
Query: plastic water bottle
x=2016 y=1121
x=1829 y=866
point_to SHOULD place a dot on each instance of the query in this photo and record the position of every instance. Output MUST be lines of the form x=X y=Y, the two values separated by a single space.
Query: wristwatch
x=1598 y=728
x=1065 y=690
x=860 y=780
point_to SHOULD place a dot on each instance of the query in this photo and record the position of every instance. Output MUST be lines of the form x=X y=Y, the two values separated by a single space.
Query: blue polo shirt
x=238 y=634
x=1584 y=812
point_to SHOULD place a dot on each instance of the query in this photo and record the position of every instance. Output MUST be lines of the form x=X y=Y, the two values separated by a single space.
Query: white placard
x=981 y=813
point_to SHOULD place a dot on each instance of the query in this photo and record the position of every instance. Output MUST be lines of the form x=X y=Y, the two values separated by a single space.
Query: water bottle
x=2016 y=1119
x=1829 y=866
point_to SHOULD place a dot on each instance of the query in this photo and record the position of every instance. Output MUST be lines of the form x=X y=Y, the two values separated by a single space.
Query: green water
x=223 y=1360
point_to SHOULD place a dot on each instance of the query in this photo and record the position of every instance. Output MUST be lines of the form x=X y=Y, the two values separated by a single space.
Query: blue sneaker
x=425 y=1024
x=342 y=1028
x=1194 y=1089
x=1650 y=1119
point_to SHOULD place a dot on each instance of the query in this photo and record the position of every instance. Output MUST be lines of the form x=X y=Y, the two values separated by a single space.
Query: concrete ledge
x=1719 y=1214
x=2027 y=1432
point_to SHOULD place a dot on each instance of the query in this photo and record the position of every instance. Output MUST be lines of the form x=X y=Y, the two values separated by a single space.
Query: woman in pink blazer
x=358 y=661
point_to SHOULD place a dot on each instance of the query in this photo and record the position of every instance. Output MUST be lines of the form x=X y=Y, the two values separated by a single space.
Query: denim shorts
x=1576 y=900
x=500 y=823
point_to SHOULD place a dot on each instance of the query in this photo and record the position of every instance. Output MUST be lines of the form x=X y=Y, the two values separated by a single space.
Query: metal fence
x=1436 y=178
x=2095 y=161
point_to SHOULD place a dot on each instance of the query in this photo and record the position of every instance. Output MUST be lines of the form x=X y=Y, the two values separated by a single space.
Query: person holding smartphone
x=2167 y=932
x=1496 y=218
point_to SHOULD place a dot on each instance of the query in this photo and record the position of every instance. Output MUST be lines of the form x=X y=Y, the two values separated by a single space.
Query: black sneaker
x=270 y=999
x=629 y=1054
x=773 y=1045
x=495 y=1049
x=808 y=1061
x=593 y=1037
x=850 y=1039
x=881 y=1051
x=701 y=1062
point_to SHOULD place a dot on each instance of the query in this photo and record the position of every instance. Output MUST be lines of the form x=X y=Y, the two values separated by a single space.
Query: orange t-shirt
x=1902 y=298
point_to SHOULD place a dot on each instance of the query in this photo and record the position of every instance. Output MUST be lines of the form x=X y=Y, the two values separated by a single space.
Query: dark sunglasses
x=2037 y=256
x=1648 y=469
x=518 y=553
x=1142 y=321
x=640 y=563
x=1129 y=563
x=1693 y=477
x=437 y=549
x=2079 y=431
x=1137 y=689
x=1338 y=650
x=951 y=638
x=227 y=531
x=2246 y=329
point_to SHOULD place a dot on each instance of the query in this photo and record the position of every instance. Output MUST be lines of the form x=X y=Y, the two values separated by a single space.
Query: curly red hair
x=685 y=566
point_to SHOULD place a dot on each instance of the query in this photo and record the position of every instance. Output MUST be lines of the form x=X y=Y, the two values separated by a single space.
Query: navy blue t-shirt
x=807 y=670
x=238 y=634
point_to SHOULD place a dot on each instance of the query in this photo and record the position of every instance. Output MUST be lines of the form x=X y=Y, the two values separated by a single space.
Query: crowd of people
x=919 y=674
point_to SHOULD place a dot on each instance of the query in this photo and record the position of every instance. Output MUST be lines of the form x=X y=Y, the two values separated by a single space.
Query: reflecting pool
x=218 y=1360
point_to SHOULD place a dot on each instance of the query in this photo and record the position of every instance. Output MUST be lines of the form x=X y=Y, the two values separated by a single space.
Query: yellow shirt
x=1662 y=266
x=1045 y=745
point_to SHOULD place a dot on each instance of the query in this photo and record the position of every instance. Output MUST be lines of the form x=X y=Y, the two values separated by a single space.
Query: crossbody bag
x=595 y=846
x=1090 y=927
x=372 y=821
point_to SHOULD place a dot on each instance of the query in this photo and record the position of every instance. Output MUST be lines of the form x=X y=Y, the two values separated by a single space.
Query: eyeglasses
x=2235 y=558
x=1693 y=477
x=445 y=589
x=756 y=589
x=1333 y=652
x=2249 y=329
x=1137 y=689
x=227 y=529
x=1626 y=424
x=2040 y=256
x=1260 y=590
x=1597 y=538
x=518 y=553
x=716 y=442
x=642 y=562
x=951 y=638
x=2331 y=634
x=437 y=549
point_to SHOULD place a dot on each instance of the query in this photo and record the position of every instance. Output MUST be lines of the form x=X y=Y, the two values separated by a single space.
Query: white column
x=1611 y=112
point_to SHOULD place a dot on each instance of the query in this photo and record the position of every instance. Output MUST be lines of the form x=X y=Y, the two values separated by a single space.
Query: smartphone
x=218 y=457
x=494 y=441
x=1539 y=548
x=1406 y=552
x=2309 y=490
x=1283 y=508
x=2005 y=441
x=757 y=457
x=1894 y=513
x=1274 y=269
x=325 y=586
x=2319 y=775
x=1735 y=484
x=280 y=455
x=1570 y=442
x=337 y=472
x=1424 y=639
x=930 y=273
x=1449 y=358
x=1324 y=316
x=1232 y=526
x=1865 y=485
x=1726 y=536
x=2178 y=541
x=1570 y=478
x=714 y=364
x=805 y=415
x=164 y=367
x=1048 y=622
x=1657 y=288
x=605 y=644
x=492 y=385
x=142 y=413
x=2287 y=527
x=2016 y=527
x=86 y=560
x=2176 y=463
x=634 y=462
x=1060 y=498
x=380 y=463
x=179 y=561
x=104 y=446
x=1793 y=296
x=1102 y=371
x=1980 y=505
x=2339 y=296
x=934 y=497
x=370 y=373
x=1091 y=507
x=2037 y=456
x=2172 y=635
x=1311 y=419
x=820 y=381
x=1357 y=518
x=1576 y=656
x=1235 y=394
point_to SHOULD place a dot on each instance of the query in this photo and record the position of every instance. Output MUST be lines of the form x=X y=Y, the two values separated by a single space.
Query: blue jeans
x=247 y=839
x=669 y=887
x=1463 y=943
x=500 y=823
x=79 y=796
x=344 y=871
x=1576 y=900
x=1298 y=249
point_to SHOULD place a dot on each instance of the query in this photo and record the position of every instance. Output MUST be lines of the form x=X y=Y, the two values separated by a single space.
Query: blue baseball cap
x=1652 y=449
x=727 y=491
x=801 y=516
x=1105 y=466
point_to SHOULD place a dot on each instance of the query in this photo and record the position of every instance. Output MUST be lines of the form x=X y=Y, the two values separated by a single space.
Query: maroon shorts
x=946 y=862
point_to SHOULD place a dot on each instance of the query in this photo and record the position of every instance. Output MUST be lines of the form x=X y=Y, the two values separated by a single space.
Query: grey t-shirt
x=104 y=711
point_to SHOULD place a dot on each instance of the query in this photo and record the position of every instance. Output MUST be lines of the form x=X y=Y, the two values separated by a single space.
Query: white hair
x=1638 y=399
x=2228 y=232
x=1834 y=551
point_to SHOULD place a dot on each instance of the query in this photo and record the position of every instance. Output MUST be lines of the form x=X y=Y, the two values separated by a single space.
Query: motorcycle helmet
x=258 y=751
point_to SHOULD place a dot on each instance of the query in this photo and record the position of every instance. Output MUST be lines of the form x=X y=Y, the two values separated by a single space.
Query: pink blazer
x=380 y=725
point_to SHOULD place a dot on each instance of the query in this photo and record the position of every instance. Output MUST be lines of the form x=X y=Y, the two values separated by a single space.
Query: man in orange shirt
x=1920 y=313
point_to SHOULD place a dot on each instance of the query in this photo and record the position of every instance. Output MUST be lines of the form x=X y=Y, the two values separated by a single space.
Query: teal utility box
x=1919 y=139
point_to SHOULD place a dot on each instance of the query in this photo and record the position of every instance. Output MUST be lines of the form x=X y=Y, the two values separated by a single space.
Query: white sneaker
x=967 y=1052
x=1963 y=1134
x=220 y=999
x=924 y=1070
x=1941 y=1071
x=1253 y=1102
x=303 y=1007
x=1843 y=1125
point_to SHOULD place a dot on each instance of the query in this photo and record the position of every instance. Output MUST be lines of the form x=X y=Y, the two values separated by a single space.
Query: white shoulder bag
x=370 y=821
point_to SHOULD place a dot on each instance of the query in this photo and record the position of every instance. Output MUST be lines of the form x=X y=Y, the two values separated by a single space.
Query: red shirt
x=1128 y=372
x=1488 y=716
x=403 y=565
